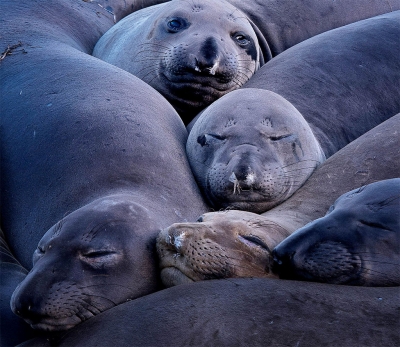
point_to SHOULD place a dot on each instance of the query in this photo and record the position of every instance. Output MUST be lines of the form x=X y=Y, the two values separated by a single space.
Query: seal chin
x=246 y=201
x=188 y=92
x=171 y=276
x=54 y=325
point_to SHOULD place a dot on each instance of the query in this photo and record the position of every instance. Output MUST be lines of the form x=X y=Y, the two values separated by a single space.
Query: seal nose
x=208 y=58
x=23 y=306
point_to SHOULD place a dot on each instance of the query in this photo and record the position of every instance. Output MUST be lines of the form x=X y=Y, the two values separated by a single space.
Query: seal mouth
x=172 y=276
x=198 y=84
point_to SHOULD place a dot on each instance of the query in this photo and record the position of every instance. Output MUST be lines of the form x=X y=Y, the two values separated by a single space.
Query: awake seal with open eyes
x=192 y=52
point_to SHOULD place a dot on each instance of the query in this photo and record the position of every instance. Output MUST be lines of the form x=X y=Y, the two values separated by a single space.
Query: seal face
x=219 y=245
x=251 y=150
x=92 y=260
x=356 y=243
x=192 y=52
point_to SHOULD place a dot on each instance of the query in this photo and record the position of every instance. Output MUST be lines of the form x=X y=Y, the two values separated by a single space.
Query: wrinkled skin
x=170 y=49
x=356 y=243
x=93 y=259
x=251 y=150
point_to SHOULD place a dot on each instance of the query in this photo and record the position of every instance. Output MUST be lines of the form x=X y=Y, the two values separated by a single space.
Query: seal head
x=219 y=245
x=251 y=150
x=192 y=52
x=356 y=243
x=93 y=259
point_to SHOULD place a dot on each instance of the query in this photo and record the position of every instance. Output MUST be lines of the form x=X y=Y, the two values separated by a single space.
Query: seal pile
x=95 y=164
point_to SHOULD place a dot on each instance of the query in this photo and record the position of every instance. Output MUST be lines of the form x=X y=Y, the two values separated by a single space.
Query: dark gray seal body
x=73 y=135
x=246 y=312
x=344 y=82
x=167 y=47
x=356 y=243
x=242 y=158
x=239 y=243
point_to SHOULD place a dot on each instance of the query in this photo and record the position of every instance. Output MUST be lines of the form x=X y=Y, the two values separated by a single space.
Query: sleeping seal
x=356 y=243
x=74 y=142
x=239 y=243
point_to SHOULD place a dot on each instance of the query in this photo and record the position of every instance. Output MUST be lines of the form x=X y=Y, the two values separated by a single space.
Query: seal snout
x=24 y=305
x=207 y=60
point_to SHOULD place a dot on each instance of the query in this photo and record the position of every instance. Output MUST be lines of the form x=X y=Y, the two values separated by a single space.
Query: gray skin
x=167 y=47
x=356 y=243
x=245 y=312
x=239 y=243
x=75 y=130
x=328 y=82
x=251 y=150
x=341 y=81
x=13 y=329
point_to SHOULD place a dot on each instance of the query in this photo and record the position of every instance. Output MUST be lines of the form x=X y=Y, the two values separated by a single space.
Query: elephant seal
x=245 y=312
x=228 y=150
x=251 y=150
x=93 y=259
x=72 y=135
x=239 y=243
x=168 y=48
x=356 y=243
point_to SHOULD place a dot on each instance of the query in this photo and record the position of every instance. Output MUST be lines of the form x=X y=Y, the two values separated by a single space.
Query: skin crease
x=246 y=240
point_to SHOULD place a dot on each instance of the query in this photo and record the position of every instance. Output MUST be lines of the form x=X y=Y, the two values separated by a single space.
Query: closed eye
x=207 y=139
x=374 y=225
x=100 y=259
x=253 y=240
x=280 y=137
x=98 y=254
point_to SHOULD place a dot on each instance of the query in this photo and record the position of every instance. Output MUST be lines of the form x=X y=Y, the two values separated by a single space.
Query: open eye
x=241 y=39
x=200 y=219
x=207 y=139
x=176 y=24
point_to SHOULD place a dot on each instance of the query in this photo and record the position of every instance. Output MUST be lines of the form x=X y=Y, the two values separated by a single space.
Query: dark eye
x=241 y=39
x=200 y=219
x=207 y=139
x=176 y=24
